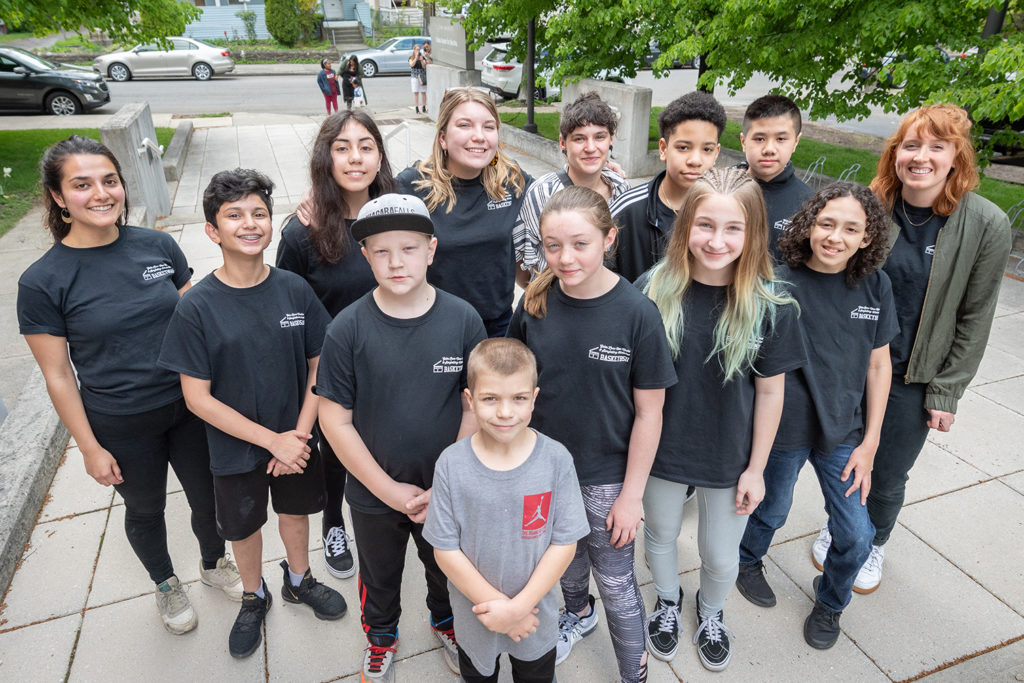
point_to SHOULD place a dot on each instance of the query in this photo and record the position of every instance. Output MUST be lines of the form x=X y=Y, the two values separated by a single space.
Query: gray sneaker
x=175 y=609
x=445 y=634
x=572 y=629
x=378 y=663
x=224 y=576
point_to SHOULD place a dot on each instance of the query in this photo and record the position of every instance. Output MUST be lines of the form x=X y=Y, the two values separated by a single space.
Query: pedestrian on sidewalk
x=350 y=80
x=474 y=191
x=101 y=299
x=348 y=167
x=945 y=288
x=327 y=80
x=418 y=78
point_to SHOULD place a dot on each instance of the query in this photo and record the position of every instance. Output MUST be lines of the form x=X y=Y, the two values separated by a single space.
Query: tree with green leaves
x=815 y=50
x=126 y=21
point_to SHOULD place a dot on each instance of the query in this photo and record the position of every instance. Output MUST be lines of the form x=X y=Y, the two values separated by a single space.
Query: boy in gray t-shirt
x=504 y=517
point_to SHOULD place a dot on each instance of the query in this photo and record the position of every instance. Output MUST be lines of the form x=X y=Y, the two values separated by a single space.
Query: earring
x=494 y=161
x=65 y=215
x=444 y=152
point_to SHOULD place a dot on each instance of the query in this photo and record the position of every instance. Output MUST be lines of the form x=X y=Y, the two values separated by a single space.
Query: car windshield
x=496 y=55
x=37 y=63
x=386 y=44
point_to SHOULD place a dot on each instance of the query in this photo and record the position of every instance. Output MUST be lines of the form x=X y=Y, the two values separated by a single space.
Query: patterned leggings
x=615 y=576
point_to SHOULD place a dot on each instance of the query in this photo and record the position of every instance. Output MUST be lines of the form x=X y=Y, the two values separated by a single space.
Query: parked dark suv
x=33 y=84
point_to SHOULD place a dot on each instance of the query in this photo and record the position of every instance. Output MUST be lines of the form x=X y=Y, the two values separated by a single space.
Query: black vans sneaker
x=752 y=584
x=664 y=629
x=712 y=640
x=326 y=602
x=821 y=628
x=247 y=631
x=338 y=553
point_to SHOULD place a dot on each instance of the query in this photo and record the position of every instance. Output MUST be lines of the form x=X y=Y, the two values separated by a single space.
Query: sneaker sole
x=866 y=591
x=753 y=601
x=814 y=561
x=180 y=631
x=230 y=597
x=715 y=667
x=319 y=615
x=663 y=656
x=340 y=574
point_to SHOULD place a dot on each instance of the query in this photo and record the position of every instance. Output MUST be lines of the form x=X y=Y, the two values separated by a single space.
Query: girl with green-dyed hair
x=733 y=333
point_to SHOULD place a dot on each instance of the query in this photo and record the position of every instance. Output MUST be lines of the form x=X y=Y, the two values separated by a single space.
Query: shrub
x=248 y=18
x=283 y=23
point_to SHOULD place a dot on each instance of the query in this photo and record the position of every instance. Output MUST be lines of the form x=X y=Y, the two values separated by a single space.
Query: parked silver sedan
x=187 y=57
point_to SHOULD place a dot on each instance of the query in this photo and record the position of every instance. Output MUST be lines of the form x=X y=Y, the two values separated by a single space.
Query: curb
x=32 y=441
x=177 y=148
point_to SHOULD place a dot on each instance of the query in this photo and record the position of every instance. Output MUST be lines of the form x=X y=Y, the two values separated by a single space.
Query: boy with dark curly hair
x=832 y=253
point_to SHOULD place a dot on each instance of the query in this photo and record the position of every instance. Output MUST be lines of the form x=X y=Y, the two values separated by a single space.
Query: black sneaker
x=247 y=631
x=663 y=628
x=712 y=640
x=338 y=553
x=821 y=628
x=326 y=602
x=752 y=584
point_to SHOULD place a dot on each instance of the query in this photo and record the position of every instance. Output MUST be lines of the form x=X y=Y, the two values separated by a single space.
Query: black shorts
x=241 y=499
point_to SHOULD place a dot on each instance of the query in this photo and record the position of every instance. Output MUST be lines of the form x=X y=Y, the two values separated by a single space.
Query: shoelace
x=226 y=569
x=567 y=624
x=448 y=634
x=874 y=560
x=668 y=615
x=336 y=540
x=176 y=599
x=378 y=653
x=714 y=627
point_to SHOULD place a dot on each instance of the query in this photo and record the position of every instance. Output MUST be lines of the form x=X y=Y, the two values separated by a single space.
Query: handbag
x=422 y=75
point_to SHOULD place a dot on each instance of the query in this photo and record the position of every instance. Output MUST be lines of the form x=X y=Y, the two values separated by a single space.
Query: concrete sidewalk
x=950 y=607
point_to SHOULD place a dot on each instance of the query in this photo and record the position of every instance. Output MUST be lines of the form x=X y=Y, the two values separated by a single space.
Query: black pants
x=382 y=540
x=540 y=670
x=904 y=432
x=143 y=445
x=334 y=484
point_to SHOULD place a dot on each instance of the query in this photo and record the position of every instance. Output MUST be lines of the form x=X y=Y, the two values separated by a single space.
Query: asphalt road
x=298 y=94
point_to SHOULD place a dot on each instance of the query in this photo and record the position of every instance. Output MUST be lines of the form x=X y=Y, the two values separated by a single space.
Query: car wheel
x=368 y=68
x=539 y=92
x=202 y=71
x=62 y=103
x=119 y=72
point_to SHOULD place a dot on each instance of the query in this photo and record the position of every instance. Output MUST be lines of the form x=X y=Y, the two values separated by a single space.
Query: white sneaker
x=572 y=629
x=224 y=576
x=820 y=548
x=175 y=609
x=870 y=575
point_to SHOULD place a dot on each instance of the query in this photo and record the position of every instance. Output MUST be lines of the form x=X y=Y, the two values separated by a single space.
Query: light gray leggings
x=719 y=531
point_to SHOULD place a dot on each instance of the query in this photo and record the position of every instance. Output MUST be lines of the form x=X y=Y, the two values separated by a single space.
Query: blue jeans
x=848 y=520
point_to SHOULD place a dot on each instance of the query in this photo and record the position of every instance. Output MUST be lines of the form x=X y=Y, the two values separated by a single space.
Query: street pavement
x=950 y=606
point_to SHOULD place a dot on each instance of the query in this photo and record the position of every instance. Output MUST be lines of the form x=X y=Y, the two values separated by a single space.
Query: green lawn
x=14 y=35
x=20 y=151
x=837 y=158
x=76 y=44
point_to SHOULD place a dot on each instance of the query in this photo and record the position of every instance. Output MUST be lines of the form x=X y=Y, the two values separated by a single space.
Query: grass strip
x=20 y=151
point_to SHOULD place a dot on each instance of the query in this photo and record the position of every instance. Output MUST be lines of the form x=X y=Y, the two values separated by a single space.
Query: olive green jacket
x=971 y=252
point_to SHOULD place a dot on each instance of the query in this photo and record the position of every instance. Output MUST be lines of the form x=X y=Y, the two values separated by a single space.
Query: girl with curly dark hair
x=832 y=252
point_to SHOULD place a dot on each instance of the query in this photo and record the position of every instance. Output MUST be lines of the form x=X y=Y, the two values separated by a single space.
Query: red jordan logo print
x=535 y=514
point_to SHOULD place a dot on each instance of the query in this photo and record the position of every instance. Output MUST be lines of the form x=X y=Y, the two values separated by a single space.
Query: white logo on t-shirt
x=865 y=313
x=504 y=202
x=609 y=354
x=293 y=320
x=930 y=250
x=158 y=271
x=448 y=364
x=782 y=224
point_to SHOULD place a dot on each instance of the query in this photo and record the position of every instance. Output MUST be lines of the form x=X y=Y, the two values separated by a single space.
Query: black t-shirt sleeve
x=653 y=368
x=336 y=379
x=39 y=312
x=888 y=323
x=474 y=333
x=182 y=272
x=782 y=348
x=184 y=348
x=515 y=326
x=292 y=254
x=317 y=321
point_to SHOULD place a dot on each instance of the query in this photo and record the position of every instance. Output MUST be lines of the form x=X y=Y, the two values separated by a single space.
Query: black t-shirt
x=475 y=260
x=112 y=304
x=336 y=284
x=708 y=428
x=591 y=354
x=841 y=327
x=784 y=195
x=252 y=344
x=645 y=227
x=908 y=267
x=402 y=379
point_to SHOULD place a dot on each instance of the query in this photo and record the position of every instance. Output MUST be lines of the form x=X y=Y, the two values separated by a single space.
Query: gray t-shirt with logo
x=504 y=522
x=112 y=304
x=252 y=344
x=402 y=378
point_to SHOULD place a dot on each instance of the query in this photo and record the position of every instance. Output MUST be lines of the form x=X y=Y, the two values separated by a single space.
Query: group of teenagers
x=702 y=336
